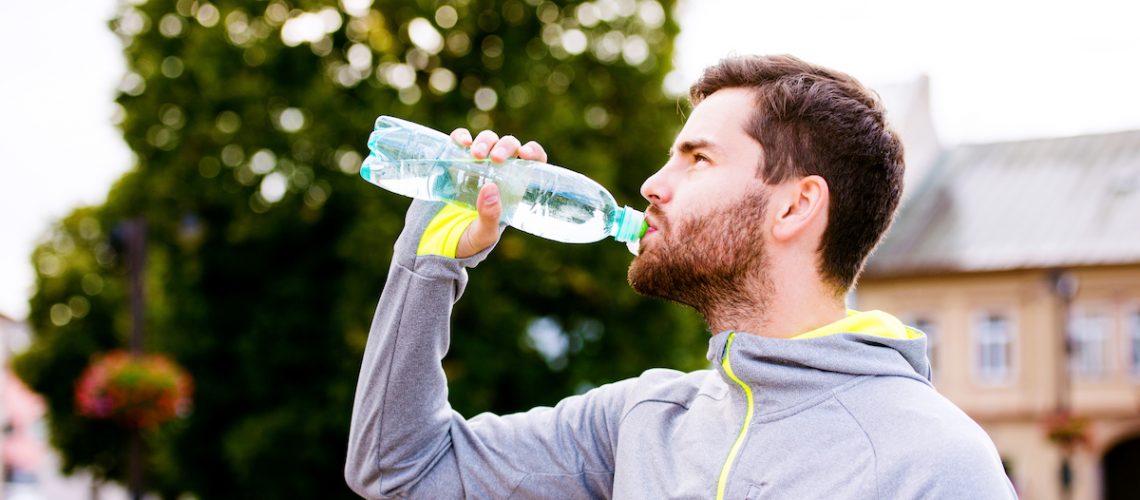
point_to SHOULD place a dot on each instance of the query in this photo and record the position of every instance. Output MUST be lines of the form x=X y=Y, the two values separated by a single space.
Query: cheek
x=696 y=196
x=709 y=198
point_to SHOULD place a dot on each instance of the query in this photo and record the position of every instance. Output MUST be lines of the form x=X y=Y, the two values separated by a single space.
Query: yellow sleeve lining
x=443 y=232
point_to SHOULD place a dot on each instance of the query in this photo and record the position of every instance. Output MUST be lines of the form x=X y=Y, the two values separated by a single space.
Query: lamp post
x=133 y=234
x=1065 y=285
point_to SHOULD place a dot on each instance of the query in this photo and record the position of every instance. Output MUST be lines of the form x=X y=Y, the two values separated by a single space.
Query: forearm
x=401 y=416
x=406 y=441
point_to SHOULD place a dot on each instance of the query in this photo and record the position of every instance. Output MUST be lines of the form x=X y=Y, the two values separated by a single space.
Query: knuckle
x=536 y=150
x=460 y=135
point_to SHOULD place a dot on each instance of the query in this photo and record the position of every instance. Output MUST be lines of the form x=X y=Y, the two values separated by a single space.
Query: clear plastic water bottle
x=541 y=199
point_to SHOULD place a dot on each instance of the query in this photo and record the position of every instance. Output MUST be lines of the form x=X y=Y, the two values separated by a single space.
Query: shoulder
x=657 y=384
x=672 y=386
x=923 y=443
x=904 y=413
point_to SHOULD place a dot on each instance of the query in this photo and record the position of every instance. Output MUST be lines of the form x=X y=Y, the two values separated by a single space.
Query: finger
x=532 y=151
x=485 y=230
x=461 y=136
x=507 y=147
x=489 y=207
x=483 y=143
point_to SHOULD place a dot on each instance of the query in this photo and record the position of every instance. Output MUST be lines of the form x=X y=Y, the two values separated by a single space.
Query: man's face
x=707 y=209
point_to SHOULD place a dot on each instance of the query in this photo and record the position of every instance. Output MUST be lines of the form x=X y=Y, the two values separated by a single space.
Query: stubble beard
x=715 y=264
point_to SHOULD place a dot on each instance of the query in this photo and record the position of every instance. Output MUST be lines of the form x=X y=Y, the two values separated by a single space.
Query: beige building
x=1005 y=254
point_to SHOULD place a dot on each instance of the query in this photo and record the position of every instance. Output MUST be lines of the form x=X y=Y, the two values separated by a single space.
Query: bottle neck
x=629 y=225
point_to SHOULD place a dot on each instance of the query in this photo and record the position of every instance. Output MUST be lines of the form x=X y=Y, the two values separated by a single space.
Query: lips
x=654 y=224
x=651 y=228
x=649 y=233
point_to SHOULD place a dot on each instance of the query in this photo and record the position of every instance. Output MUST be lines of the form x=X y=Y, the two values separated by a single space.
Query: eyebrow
x=689 y=146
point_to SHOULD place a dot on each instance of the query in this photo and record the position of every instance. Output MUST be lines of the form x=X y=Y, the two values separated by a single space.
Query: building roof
x=1041 y=203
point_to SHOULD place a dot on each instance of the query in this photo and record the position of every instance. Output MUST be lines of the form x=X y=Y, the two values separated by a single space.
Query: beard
x=715 y=264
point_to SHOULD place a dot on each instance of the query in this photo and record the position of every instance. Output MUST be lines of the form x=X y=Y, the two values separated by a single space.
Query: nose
x=656 y=188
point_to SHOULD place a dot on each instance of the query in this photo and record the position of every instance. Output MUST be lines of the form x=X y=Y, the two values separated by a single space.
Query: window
x=993 y=335
x=1132 y=336
x=1089 y=334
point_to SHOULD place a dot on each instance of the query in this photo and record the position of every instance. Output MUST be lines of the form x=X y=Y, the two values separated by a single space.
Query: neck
x=775 y=307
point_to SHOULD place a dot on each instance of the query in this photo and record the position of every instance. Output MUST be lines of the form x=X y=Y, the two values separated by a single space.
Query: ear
x=802 y=205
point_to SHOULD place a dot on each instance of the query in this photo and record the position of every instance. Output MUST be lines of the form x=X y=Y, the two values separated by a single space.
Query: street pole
x=136 y=264
x=1065 y=286
x=136 y=258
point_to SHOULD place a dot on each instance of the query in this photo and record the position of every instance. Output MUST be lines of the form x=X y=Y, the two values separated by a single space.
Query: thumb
x=484 y=232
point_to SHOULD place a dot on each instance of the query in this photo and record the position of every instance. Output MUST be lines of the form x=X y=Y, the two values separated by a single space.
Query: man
x=781 y=182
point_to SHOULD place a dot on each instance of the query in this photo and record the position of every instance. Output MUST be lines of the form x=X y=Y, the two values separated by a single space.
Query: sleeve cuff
x=441 y=237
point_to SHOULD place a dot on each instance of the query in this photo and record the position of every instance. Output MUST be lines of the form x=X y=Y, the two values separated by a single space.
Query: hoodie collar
x=876 y=323
x=785 y=372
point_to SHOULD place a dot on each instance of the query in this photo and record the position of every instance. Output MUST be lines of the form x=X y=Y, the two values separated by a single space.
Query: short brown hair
x=810 y=120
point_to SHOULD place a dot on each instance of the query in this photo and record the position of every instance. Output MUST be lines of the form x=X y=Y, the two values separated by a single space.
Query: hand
x=484 y=232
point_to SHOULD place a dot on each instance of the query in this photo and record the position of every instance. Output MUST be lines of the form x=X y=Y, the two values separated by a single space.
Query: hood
x=785 y=372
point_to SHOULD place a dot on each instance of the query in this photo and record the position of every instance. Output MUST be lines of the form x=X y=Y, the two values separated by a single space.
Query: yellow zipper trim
x=723 y=482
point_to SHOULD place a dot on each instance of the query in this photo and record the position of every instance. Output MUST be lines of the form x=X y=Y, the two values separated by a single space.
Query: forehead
x=721 y=119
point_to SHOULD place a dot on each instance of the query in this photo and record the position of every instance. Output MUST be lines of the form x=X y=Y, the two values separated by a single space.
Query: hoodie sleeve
x=406 y=441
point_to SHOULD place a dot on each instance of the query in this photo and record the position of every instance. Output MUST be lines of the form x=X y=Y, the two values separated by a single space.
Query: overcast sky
x=999 y=70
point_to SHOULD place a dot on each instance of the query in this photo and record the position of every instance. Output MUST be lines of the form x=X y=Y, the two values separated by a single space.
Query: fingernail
x=480 y=150
x=491 y=195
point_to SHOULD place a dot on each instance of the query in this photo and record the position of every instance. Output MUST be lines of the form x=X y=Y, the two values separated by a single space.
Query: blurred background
x=179 y=178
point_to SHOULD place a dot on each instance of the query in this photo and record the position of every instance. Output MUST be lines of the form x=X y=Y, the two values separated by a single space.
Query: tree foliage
x=266 y=252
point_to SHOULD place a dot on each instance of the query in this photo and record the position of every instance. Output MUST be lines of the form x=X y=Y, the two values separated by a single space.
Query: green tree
x=266 y=251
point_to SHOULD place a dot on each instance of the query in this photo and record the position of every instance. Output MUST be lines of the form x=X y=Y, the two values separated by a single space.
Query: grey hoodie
x=850 y=415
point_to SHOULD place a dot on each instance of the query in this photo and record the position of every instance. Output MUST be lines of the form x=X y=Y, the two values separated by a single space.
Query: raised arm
x=405 y=439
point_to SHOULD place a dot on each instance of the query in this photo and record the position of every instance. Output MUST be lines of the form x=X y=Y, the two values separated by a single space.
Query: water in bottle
x=539 y=198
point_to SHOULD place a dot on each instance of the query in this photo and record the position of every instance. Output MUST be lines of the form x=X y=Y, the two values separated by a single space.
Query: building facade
x=1021 y=262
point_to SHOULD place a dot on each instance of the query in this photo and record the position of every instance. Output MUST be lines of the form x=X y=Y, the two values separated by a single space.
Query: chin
x=637 y=272
x=645 y=273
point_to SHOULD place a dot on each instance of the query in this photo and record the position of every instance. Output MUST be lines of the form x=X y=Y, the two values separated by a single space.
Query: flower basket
x=137 y=391
x=1066 y=430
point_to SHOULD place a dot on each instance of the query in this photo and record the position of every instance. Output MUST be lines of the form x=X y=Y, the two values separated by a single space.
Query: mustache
x=656 y=218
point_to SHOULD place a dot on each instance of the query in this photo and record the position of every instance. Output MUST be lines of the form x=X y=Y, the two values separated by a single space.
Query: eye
x=700 y=157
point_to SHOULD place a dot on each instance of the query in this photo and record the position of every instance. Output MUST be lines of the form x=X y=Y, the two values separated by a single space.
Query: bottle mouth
x=631 y=225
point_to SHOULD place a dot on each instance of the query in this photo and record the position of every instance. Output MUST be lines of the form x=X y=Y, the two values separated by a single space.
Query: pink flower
x=138 y=391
